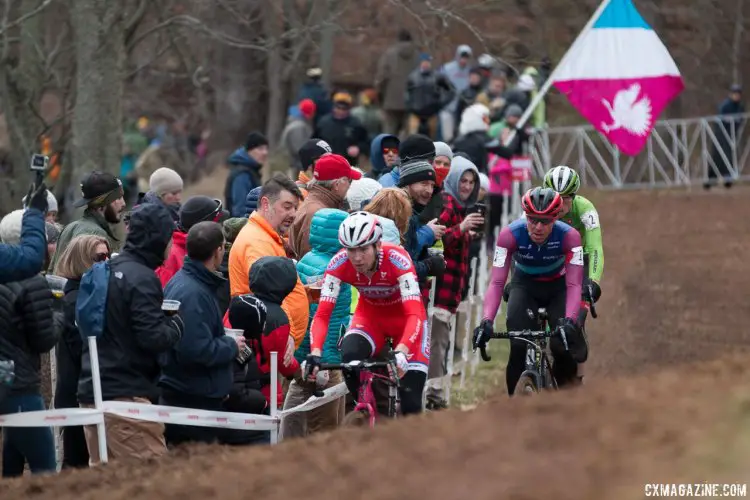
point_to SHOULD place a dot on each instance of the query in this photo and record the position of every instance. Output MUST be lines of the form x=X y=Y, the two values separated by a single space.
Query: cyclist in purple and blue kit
x=548 y=273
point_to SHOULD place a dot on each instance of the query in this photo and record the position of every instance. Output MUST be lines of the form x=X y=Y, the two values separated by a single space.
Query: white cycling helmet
x=359 y=230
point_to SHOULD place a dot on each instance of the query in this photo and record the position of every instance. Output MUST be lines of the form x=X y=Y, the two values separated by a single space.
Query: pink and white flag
x=620 y=76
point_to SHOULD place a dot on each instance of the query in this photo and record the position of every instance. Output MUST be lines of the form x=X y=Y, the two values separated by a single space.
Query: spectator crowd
x=200 y=291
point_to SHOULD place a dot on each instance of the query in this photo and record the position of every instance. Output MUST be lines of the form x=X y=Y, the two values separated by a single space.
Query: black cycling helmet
x=542 y=203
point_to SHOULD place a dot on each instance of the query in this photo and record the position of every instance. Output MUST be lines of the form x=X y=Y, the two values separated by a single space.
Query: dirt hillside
x=666 y=400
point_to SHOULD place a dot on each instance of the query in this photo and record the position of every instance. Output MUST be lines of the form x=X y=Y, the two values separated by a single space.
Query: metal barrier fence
x=679 y=152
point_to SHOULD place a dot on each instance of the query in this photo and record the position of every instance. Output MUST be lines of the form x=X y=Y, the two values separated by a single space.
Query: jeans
x=21 y=445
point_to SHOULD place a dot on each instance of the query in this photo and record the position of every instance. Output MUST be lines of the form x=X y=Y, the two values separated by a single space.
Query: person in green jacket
x=103 y=198
x=324 y=243
x=581 y=214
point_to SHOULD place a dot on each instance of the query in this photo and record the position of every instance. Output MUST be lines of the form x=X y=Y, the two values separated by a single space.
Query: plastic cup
x=56 y=284
x=170 y=307
x=234 y=332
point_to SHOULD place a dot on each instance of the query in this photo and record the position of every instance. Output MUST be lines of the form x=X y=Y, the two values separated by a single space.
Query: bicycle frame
x=366 y=400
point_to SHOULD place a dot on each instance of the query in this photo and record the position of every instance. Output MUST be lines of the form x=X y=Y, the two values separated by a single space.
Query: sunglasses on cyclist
x=544 y=222
x=390 y=150
x=216 y=214
x=101 y=257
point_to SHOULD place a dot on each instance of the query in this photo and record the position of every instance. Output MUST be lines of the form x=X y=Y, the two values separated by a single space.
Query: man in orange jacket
x=263 y=236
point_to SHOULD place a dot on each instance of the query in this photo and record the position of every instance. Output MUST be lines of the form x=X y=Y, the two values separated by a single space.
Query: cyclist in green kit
x=581 y=214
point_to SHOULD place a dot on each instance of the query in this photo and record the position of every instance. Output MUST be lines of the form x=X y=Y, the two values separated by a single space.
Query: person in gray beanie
x=165 y=188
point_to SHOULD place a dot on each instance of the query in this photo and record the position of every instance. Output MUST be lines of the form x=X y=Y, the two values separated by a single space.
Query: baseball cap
x=97 y=184
x=332 y=166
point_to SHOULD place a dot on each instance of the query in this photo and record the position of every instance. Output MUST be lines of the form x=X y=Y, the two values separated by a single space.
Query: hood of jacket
x=390 y=231
x=240 y=158
x=376 y=153
x=473 y=119
x=273 y=278
x=251 y=200
x=151 y=229
x=459 y=167
x=324 y=230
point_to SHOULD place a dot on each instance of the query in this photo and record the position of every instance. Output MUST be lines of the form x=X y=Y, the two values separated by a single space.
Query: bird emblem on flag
x=629 y=112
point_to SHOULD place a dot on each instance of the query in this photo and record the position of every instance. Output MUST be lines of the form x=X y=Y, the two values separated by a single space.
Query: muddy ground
x=666 y=399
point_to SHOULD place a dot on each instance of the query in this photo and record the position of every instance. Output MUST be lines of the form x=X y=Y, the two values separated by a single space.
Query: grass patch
x=488 y=380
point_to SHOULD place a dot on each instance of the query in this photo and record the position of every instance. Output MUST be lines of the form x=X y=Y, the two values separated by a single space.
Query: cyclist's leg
x=564 y=367
x=521 y=298
x=412 y=384
x=361 y=341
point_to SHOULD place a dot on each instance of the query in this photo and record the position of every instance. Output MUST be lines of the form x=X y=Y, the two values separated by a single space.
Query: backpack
x=91 y=304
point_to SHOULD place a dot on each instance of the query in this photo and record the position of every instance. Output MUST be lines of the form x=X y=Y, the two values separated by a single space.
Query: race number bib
x=590 y=220
x=408 y=285
x=331 y=287
x=577 y=259
x=499 y=259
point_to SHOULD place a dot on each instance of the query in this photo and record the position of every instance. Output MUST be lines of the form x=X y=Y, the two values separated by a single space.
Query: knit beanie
x=51 y=202
x=255 y=140
x=307 y=108
x=417 y=147
x=232 y=228
x=416 y=171
x=442 y=149
x=360 y=191
x=248 y=313
x=311 y=151
x=251 y=200
x=199 y=209
x=53 y=232
x=10 y=227
x=165 y=180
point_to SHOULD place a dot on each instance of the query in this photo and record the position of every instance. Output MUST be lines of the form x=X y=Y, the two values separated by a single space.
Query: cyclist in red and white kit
x=390 y=306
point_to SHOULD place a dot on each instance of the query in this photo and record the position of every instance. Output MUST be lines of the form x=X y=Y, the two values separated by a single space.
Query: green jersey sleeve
x=585 y=219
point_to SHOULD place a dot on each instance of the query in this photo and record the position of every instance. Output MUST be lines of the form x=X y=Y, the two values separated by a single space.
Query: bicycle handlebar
x=522 y=334
x=366 y=365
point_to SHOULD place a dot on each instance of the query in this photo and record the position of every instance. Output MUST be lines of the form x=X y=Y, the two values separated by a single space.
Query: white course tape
x=189 y=416
x=329 y=395
x=53 y=418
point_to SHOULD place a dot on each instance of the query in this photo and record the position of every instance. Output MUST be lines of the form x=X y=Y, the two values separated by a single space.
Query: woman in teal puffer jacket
x=324 y=243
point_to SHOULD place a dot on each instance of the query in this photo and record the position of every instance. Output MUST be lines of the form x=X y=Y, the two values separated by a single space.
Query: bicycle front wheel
x=526 y=386
x=359 y=418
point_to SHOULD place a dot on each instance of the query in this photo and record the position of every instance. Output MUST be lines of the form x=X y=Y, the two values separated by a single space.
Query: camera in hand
x=170 y=307
x=39 y=165
x=478 y=208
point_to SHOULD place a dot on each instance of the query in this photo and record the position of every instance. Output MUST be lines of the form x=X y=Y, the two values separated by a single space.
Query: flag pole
x=550 y=80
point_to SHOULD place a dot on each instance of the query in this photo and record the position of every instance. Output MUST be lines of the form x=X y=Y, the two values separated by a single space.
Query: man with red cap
x=331 y=180
x=298 y=130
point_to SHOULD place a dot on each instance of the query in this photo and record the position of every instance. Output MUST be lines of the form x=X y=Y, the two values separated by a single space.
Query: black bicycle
x=538 y=372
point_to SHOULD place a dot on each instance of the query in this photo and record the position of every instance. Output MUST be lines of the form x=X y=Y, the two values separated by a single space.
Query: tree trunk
x=272 y=29
x=100 y=56
x=21 y=90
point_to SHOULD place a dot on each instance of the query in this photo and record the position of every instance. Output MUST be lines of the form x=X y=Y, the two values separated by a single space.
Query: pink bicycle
x=366 y=409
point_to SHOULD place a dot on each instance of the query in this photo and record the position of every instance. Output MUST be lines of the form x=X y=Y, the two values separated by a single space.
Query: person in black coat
x=197 y=371
x=247 y=313
x=343 y=132
x=27 y=330
x=75 y=260
x=136 y=331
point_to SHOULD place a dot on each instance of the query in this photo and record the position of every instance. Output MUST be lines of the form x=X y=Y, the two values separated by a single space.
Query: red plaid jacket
x=456 y=251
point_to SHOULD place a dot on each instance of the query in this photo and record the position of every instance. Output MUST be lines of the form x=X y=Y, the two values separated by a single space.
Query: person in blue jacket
x=384 y=151
x=198 y=371
x=22 y=261
x=324 y=243
x=245 y=172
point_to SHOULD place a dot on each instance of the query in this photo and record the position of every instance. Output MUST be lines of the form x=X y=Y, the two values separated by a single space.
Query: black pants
x=527 y=294
x=179 y=434
x=356 y=347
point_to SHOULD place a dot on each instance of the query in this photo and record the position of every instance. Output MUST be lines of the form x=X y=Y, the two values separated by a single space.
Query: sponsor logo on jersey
x=577 y=259
x=426 y=340
x=338 y=260
x=399 y=260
